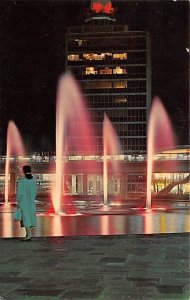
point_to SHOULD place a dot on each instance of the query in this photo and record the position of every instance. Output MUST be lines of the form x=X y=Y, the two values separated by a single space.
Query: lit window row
x=105 y=71
x=96 y=56
x=106 y=84
x=117 y=101
x=135 y=86
x=106 y=40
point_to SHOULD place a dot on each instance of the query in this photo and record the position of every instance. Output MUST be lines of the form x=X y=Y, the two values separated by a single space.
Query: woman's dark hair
x=27 y=169
x=27 y=172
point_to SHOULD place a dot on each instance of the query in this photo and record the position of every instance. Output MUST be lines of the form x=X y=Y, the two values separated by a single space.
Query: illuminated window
x=88 y=56
x=121 y=99
x=98 y=85
x=80 y=42
x=101 y=85
x=73 y=57
x=95 y=56
x=107 y=54
x=106 y=71
x=120 y=55
x=119 y=70
x=120 y=84
x=90 y=70
x=106 y=85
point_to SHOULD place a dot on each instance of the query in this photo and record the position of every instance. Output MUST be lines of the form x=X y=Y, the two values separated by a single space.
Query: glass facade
x=112 y=66
x=129 y=181
x=176 y=181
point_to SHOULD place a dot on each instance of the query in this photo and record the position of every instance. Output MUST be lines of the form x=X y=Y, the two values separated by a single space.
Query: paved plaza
x=96 y=267
x=120 y=255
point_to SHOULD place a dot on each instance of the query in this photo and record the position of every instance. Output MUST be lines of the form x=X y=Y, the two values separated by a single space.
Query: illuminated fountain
x=15 y=146
x=160 y=137
x=111 y=147
x=71 y=117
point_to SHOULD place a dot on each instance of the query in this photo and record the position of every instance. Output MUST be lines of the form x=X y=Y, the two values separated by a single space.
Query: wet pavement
x=97 y=254
x=99 y=221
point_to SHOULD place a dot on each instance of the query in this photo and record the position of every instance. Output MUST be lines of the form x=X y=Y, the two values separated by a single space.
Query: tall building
x=113 y=67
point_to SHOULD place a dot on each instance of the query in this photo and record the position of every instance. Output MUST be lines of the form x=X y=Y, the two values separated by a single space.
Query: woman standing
x=26 y=194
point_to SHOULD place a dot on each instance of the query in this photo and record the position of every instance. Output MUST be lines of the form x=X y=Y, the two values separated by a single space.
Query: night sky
x=32 y=57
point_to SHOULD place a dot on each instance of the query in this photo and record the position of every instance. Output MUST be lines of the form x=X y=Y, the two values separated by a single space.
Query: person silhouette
x=25 y=196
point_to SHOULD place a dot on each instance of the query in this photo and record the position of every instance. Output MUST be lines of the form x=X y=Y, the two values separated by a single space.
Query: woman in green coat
x=26 y=194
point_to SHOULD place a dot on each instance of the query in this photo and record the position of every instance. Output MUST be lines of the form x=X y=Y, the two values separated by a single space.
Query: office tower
x=112 y=66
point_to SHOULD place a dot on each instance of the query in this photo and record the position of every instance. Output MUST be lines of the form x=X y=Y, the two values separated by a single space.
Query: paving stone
x=37 y=292
x=58 y=268
x=78 y=294
x=174 y=281
x=170 y=289
x=11 y=279
x=122 y=296
x=113 y=260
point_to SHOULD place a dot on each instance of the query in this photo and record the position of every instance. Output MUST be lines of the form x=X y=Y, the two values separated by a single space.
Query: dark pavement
x=103 y=254
x=96 y=267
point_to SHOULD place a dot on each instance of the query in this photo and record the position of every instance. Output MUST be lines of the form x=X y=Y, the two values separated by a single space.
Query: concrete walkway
x=96 y=267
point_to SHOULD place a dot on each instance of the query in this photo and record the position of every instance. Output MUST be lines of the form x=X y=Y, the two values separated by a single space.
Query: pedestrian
x=26 y=194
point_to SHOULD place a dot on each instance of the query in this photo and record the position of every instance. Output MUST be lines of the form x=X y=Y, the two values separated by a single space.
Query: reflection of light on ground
x=105 y=225
x=187 y=224
x=119 y=223
x=173 y=223
x=7 y=228
x=148 y=220
x=148 y=209
x=159 y=208
x=139 y=208
x=69 y=215
x=162 y=224
x=44 y=214
x=56 y=226
x=6 y=207
x=143 y=222
x=136 y=224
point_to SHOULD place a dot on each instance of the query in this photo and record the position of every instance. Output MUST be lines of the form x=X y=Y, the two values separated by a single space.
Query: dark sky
x=32 y=41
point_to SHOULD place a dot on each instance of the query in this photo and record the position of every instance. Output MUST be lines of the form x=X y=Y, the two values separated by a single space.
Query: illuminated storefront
x=170 y=176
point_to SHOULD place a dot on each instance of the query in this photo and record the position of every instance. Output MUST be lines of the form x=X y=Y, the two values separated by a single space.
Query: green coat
x=25 y=197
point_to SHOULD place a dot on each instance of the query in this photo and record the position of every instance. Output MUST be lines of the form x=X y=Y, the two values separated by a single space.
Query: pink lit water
x=73 y=133
x=111 y=147
x=127 y=223
x=15 y=146
x=160 y=137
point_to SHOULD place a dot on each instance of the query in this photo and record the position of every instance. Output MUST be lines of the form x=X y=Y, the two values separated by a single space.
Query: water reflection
x=132 y=223
x=7 y=228
x=56 y=226
x=148 y=222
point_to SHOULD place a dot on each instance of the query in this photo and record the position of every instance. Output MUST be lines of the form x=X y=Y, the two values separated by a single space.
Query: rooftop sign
x=102 y=6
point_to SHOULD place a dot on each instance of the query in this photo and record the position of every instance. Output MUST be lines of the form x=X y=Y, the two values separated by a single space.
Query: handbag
x=17 y=216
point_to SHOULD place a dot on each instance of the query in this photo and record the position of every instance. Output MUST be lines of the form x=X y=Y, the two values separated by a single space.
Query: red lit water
x=73 y=133
x=15 y=146
x=111 y=147
x=160 y=137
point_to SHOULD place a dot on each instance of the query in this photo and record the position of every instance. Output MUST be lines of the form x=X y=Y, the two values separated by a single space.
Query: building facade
x=113 y=67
